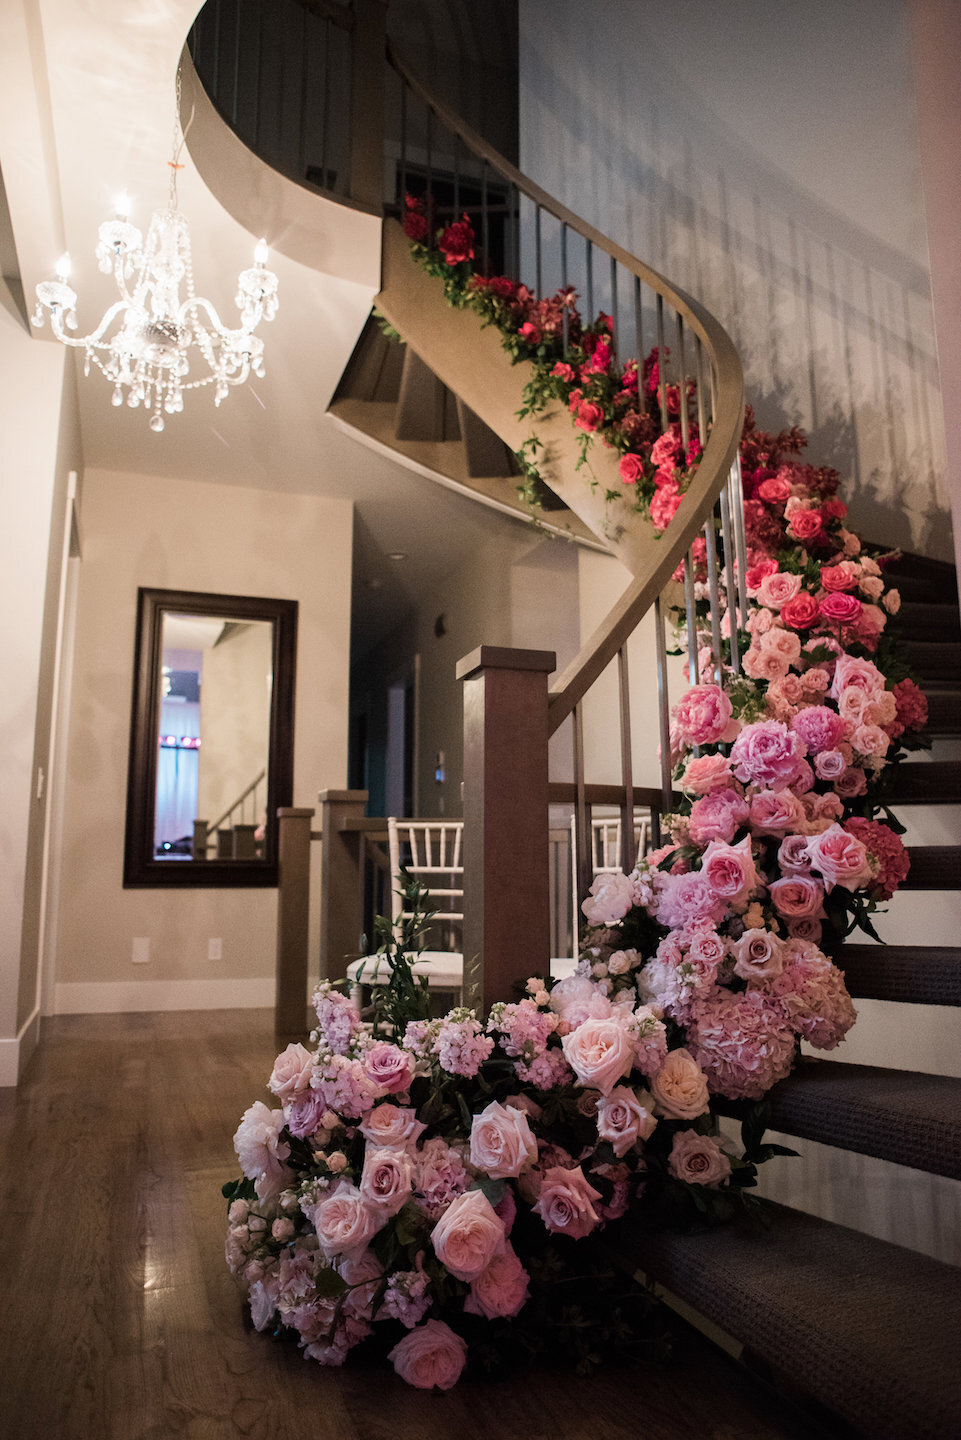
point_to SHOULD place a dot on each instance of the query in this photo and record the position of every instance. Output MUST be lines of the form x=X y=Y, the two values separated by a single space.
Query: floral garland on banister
x=427 y=1187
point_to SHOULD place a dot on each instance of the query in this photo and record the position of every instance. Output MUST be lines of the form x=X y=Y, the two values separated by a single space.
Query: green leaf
x=330 y=1285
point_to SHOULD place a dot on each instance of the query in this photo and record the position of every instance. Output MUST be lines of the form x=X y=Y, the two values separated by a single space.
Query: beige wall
x=33 y=484
x=192 y=536
x=234 y=722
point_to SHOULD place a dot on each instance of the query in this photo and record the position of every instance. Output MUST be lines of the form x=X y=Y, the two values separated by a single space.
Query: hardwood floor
x=120 y=1321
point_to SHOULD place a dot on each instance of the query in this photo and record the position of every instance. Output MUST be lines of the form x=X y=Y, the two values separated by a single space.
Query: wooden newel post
x=341 y=880
x=293 y=909
x=506 y=871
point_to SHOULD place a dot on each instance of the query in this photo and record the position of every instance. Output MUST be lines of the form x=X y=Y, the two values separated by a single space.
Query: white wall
x=765 y=158
x=178 y=534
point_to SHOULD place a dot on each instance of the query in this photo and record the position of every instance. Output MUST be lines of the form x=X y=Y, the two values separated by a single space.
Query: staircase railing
x=530 y=233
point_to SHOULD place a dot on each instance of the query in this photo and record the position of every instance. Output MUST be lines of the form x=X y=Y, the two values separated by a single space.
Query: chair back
x=429 y=851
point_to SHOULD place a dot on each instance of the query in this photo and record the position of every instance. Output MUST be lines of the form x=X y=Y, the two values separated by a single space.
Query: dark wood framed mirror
x=211 y=738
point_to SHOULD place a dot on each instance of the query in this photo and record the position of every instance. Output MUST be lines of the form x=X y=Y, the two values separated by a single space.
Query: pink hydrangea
x=742 y=1042
x=812 y=995
x=892 y=858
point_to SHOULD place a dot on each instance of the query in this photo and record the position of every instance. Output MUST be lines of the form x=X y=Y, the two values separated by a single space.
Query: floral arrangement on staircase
x=429 y=1186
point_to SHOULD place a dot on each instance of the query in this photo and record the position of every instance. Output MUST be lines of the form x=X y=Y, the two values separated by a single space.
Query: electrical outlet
x=141 y=950
x=215 y=948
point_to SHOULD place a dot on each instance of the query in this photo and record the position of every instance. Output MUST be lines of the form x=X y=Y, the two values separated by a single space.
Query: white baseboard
x=128 y=996
x=16 y=1051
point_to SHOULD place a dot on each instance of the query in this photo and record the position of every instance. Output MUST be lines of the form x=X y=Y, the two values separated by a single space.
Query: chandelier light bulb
x=160 y=338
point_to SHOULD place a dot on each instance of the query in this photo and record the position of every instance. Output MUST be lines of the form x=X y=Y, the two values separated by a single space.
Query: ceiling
x=88 y=114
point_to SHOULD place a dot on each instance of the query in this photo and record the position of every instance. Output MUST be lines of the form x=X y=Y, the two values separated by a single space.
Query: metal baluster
x=403 y=148
x=260 y=78
x=729 y=583
x=565 y=321
x=538 y=281
x=582 y=865
x=691 y=617
x=430 y=164
x=740 y=534
x=661 y=365
x=485 y=221
x=233 y=110
x=628 y=853
x=215 y=68
x=456 y=177
x=699 y=383
x=715 y=599
x=681 y=383
x=615 y=328
x=589 y=253
x=638 y=332
x=664 y=713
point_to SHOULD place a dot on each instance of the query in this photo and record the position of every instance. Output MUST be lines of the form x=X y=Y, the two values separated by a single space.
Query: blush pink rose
x=782 y=643
x=840 y=858
x=502 y=1143
x=730 y=870
x=566 y=1203
x=775 y=812
x=291 y=1074
x=851 y=783
x=623 y=1120
x=793 y=857
x=501 y=1290
x=757 y=953
x=390 y=1126
x=775 y=590
x=390 y=1067
x=851 y=670
x=468 y=1235
x=600 y=1052
x=612 y=895
x=798 y=897
x=429 y=1357
x=703 y=716
x=680 y=1088
x=386 y=1181
x=844 y=576
x=345 y=1223
x=707 y=773
x=698 y=1160
x=829 y=764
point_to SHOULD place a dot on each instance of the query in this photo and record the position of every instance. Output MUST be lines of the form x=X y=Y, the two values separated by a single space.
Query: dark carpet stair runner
x=868 y=1329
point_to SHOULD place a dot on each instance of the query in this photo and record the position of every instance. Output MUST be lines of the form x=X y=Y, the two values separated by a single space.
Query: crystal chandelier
x=151 y=341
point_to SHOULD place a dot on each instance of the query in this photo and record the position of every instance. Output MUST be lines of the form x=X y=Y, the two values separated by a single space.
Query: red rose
x=807 y=525
x=563 y=372
x=835 y=509
x=588 y=415
x=530 y=333
x=457 y=241
x=415 y=227
x=631 y=469
x=773 y=491
x=840 y=577
x=801 y=612
x=840 y=609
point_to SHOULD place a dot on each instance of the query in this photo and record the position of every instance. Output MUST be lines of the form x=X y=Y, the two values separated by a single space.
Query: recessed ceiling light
x=397 y=555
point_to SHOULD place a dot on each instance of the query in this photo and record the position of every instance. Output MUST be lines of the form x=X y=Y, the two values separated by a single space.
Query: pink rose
x=798 y=897
x=502 y=1143
x=829 y=764
x=703 y=716
x=775 y=590
x=386 y=1181
x=698 y=1160
x=468 y=1235
x=774 y=491
x=774 y=812
x=623 y=1120
x=430 y=1356
x=291 y=1074
x=851 y=783
x=793 y=857
x=565 y=1203
x=390 y=1067
x=664 y=504
x=850 y=671
x=840 y=858
x=680 y=1088
x=730 y=870
x=839 y=608
x=807 y=526
x=588 y=415
x=782 y=643
x=758 y=953
x=501 y=1289
x=389 y=1126
x=345 y=1223
x=600 y=1052
x=631 y=469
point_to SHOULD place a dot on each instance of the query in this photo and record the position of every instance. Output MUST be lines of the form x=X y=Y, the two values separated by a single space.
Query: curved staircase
x=859 y=1332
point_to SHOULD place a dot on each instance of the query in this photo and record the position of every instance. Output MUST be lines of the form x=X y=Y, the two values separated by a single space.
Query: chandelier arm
x=95 y=336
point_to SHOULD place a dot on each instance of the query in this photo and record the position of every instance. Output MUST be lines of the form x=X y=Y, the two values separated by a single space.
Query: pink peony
x=717 y=816
x=687 y=899
x=612 y=895
x=766 y=753
x=468 y=1235
x=703 y=716
x=430 y=1357
x=565 y=1203
x=818 y=728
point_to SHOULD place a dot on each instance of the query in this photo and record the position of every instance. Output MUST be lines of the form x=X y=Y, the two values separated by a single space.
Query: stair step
x=937 y=782
x=909 y=974
x=939 y=622
x=920 y=578
x=935 y=660
x=869 y=1327
x=934 y=867
x=425 y=406
x=374 y=369
x=944 y=711
x=897 y=1115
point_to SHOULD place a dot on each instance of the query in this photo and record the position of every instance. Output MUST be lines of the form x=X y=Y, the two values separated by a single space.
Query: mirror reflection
x=214 y=736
